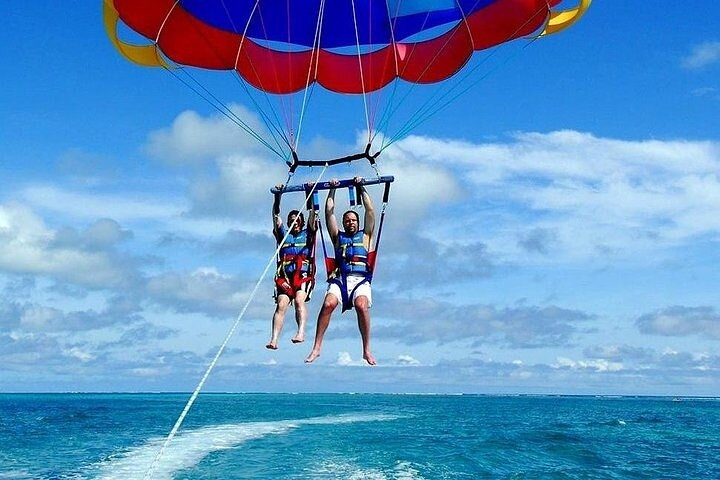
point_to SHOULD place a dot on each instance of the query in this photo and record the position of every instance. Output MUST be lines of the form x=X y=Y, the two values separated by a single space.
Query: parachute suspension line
x=221 y=106
x=374 y=167
x=430 y=106
x=390 y=111
x=272 y=125
x=453 y=95
x=311 y=74
x=414 y=85
x=384 y=118
x=450 y=95
x=199 y=89
x=426 y=110
x=376 y=96
x=216 y=103
x=291 y=112
x=282 y=101
x=362 y=77
x=162 y=25
x=149 y=473
x=467 y=25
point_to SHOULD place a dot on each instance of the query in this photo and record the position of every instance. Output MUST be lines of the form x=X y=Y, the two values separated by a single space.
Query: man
x=349 y=283
x=295 y=275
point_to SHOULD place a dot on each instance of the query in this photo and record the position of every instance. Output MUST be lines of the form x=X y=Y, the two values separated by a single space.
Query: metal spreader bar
x=387 y=179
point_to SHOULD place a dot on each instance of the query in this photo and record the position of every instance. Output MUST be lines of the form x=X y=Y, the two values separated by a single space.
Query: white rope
x=467 y=25
x=193 y=397
x=316 y=46
x=244 y=33
x=362 y=76
x=273 y=126
x=162 y=25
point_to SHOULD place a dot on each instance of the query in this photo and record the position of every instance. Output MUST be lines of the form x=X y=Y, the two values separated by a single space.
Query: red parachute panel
x=187 y=40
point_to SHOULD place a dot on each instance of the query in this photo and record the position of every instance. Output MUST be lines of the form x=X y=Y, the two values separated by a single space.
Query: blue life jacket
x=295 y=245
x=351 y=256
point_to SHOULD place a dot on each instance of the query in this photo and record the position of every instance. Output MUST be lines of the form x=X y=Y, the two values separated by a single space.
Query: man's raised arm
x=277 y=221
x=369 y=226
x=330 y=220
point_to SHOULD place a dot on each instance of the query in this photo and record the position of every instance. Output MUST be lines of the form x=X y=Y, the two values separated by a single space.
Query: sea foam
x=189 y=447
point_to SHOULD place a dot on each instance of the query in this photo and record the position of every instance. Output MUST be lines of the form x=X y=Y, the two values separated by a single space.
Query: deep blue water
x=344 y=436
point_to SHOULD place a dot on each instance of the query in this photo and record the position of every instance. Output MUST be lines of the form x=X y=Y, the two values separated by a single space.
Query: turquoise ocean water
x=363 y=436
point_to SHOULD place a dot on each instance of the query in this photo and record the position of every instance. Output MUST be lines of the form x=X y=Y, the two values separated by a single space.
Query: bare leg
x=323 y=322
x=363 y=316
x=300 y=317
x=278 y=319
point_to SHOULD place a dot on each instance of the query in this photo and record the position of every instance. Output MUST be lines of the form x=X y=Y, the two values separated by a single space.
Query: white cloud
x=27 y=246
x=516 y=327
x=678 y=321
x=36 y=318
x=407 y=360
x=121 y=207
x=193 y=140
x=706 y=92
x=702 y=55
x=420 y=182
x=345 y=360
x=587 y=195
x=241 y=188
x=102 y=234
x=150 y=371
x=142 y=210
x=78 y=353
x=619 y=353
x=598 y=365
x=204 y=290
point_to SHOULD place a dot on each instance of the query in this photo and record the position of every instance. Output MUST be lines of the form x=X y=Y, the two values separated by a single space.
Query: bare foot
x=298 y=338
x=271 y=346
x=369 y=358
x=311 y=358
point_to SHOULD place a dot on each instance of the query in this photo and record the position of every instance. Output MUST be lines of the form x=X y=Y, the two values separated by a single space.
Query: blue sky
x=563 y=214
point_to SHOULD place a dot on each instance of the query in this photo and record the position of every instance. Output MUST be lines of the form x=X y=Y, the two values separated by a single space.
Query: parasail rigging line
x=443 y=100
x=201 y=91
x=210 y=98
x=440 y=105
x=378 y=126
x=214 y=101
x=390 y=111
x=308 y=86
x=275 y=125
x=439 y=100
x=362 y=76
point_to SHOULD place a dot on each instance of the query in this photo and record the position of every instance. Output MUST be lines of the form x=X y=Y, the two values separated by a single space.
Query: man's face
x=350 y=223
x=295 y=227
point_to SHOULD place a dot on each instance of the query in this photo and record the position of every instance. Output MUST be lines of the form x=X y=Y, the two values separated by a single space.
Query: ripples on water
x=363 y=437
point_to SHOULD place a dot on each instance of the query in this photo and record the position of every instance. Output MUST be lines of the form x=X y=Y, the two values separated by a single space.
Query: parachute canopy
x=347 y=46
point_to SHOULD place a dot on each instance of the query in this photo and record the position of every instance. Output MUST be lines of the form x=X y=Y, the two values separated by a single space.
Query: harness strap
x=347 y=296
x=290 y=286
x=372 y=256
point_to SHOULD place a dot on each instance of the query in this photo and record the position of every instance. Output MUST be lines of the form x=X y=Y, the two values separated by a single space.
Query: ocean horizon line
x=419 y=394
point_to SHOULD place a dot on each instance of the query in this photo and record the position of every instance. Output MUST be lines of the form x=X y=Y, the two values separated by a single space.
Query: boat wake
x=189 y=447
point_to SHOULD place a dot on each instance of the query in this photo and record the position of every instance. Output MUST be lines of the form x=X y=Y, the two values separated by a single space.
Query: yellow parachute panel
x=146 y=55
x=562 y=19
